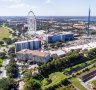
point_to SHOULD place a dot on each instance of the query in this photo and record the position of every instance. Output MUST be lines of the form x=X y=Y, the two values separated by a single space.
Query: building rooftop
x=35 y=39
x=58 y=33
x=83 y=47
x=56 y=52
x=21 y=42
x=40 y=32
x=34 y=52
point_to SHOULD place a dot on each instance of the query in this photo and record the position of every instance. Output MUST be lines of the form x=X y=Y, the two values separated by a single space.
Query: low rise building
x=33 y=55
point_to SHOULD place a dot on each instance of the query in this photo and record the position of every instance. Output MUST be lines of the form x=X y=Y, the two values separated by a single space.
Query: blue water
x=81 y=18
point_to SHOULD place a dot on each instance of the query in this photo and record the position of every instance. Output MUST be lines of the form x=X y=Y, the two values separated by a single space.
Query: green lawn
x=1 y=61
x=89 y=63
x=94 y=83
x=70 y=87
x=0 y=46
x=55 y=77
x=4 y=33
x=77 y=83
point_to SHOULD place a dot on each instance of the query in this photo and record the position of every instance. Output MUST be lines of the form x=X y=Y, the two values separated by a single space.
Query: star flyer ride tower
x=88 y=27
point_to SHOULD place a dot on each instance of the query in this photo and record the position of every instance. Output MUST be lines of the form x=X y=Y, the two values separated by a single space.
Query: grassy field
x=55 y=79
x=1 y=61
x=80 y=67
x=70 y=87
x=77 y=83
x=94 y=83
x=4 y=33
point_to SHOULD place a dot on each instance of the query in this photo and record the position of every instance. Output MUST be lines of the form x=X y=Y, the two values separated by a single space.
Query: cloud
x=48 y=1
x=22 y=5
x=12 y=1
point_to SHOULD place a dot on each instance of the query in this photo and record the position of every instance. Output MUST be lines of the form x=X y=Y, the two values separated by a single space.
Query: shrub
x=1 y=42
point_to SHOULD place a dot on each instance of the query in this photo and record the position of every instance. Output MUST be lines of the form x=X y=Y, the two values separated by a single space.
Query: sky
x=47 y=7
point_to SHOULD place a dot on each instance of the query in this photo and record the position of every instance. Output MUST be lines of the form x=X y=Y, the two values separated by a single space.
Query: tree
x=32 y=84
x=7 y=84
x=12 y=55
x=14 y=34
x=2 y=55
x=14 y=40
x=7 y=40
x=1 y=42
x=58 y=44
x=11 y=50
x=12 y=69
x=27 y=75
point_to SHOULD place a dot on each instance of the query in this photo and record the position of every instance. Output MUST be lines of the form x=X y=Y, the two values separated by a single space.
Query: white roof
x=36 y=39
x=59 y=33
x=21 y=42
x=85 y=46
x=40 y=32
x=57 y=52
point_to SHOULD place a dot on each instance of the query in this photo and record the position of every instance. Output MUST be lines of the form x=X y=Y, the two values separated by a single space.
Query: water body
x=80 y=18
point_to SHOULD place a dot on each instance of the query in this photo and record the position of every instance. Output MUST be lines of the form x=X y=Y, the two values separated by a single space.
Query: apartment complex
x=28 y=44
x=64 y=36
x=33 y=55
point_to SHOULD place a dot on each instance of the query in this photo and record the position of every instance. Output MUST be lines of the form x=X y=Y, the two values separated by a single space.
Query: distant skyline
x=47 y=7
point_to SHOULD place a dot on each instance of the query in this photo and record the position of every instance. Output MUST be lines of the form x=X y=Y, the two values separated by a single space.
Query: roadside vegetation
x=61 y=73
x=75 y=81
x=94 y=84
x=1 y=61
x=8 y=53
x=12 y=69
x=2 y=55
x=7 y=84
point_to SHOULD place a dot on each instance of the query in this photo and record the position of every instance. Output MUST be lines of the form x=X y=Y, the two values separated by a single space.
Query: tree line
x=67 y=61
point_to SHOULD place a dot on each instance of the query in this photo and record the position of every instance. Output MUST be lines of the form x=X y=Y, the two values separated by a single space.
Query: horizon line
x=48 y=16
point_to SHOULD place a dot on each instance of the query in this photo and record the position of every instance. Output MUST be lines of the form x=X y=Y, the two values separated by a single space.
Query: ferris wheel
x=31 y=22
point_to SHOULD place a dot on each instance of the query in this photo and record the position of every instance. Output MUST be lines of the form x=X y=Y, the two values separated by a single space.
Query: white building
x=21 y=45
x=33 y=55
x=28 y=44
